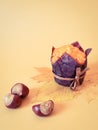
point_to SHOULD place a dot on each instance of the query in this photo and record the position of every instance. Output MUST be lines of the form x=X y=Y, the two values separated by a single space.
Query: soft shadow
x=58 y=108
x=45 y=74
x=89 y=88
x=30 y=98
x=91 y=78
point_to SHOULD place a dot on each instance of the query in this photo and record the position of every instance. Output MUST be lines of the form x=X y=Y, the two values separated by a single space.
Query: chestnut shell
x=44 y=108
x=20 y=89
x=12 y=101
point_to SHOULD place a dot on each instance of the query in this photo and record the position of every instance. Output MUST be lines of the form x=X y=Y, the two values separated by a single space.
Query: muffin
x=69 y=64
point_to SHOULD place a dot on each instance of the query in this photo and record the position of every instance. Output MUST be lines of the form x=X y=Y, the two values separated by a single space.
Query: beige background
x=28 y=30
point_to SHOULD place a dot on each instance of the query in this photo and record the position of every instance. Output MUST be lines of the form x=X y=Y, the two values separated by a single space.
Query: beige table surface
x=28 y=30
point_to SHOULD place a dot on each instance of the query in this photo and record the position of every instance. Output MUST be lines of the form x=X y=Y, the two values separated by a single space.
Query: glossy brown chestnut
x=12 y=101
x=20 y=89
x=44 y=108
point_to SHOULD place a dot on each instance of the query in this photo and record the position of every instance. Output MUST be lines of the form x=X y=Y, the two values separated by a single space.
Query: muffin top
x=71 y=50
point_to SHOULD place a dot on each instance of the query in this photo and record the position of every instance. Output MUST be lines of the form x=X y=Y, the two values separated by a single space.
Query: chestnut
x=44 y=108
x=12 y=101
x=20 y=89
